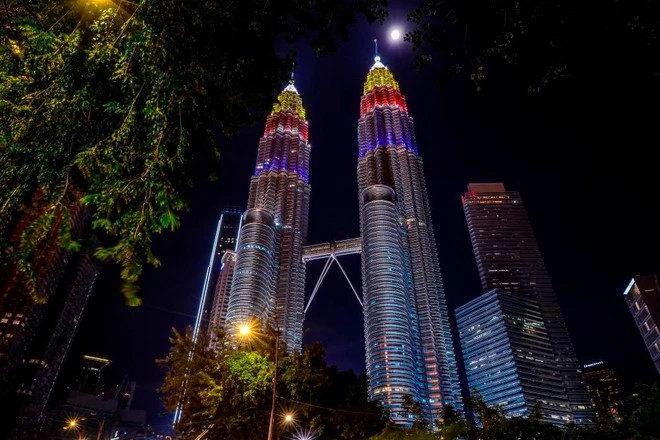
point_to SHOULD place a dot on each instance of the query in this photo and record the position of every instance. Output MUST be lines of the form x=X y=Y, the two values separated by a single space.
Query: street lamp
x=245 y=330
x=73 y=423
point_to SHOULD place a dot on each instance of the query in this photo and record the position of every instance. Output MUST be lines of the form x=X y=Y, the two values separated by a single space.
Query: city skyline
x=408 y=345
x=170 y=299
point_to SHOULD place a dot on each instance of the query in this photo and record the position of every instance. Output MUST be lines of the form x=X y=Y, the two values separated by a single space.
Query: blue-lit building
x=508 y=355
x=409 y=349
x=508 y=258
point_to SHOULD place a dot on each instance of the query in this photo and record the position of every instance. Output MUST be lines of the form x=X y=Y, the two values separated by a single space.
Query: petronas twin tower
x=409 y=348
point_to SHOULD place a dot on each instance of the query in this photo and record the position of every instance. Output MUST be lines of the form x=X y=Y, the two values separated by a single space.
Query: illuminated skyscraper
x=409 y=348
x=226 y=235
x=508 y=258
x=509 y=357
x=269 y=274
x=643 y=298
x=604 y=386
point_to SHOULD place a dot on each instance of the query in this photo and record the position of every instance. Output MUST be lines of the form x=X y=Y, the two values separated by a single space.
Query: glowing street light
x=305 y=435
x=244 y=329
x=74 y=423
x=288 y=418
x=395 y=34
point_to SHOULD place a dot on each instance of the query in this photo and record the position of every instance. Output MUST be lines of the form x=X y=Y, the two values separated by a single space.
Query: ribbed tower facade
x=508 y=258
x=409 y=349
x=509 y=358
x=269 y=275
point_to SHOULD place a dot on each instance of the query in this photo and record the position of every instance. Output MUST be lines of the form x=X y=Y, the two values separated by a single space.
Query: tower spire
x=291 y=86
x=377 y=63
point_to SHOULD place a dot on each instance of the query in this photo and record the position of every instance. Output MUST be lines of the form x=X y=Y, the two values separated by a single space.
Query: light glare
x=395 y=34
x=244 y=329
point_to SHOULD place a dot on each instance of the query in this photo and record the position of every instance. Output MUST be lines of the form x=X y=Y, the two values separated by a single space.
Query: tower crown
x=289 y=100
x=379 y=76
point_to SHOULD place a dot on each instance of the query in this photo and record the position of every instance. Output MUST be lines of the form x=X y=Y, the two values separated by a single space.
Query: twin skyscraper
x=409 y=348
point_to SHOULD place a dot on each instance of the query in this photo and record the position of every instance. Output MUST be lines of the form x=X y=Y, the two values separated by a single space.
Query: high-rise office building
x=226 y=236
x=20 y=313
x=508 y=355
x=269 y=275
x=643 y=299
x=46 y=355
x=35 y=334
x=218 y=314
x=604 y=386
x=508 y=258
x=409 y=349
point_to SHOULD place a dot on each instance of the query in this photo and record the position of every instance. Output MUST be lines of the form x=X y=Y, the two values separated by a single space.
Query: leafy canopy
x=228 y=391
x=111 y=102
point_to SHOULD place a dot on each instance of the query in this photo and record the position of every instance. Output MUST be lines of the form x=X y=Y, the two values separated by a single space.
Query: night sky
x=579 y=155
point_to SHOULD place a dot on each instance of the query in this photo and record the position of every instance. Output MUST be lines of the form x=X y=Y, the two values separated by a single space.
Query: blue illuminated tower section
x=409 y=349
x=269 y=274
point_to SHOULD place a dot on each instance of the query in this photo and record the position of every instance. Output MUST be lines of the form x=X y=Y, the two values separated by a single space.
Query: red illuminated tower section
x=269 y=275
x=407 y=331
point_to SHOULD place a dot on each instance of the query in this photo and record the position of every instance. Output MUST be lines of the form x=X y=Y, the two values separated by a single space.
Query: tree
x=228 y=391
x=392 y=432
x=115 y=101
x=641 y=411
x=452 y=425
x=543 y=40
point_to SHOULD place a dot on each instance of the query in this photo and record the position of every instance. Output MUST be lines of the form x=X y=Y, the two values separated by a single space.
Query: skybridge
x=330 y=252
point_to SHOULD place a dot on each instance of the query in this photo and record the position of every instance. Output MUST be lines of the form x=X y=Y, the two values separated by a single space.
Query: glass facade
x=389 y=338
x=408 y=337
x=508 y=355
x=226 y=236
x=508 y=258
x=269 y=275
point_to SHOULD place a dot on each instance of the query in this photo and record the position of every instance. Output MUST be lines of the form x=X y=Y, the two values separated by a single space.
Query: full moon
x=395 y=34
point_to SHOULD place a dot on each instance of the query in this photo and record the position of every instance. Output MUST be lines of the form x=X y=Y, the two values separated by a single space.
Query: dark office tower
x=508 y=258
x=643 y=298
x=50 y=347
x=604 y=386
x=20 y=314
x=269 y=276
x=226 y=235
x=508 y=355
x=35 y=334
x=409 y=349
